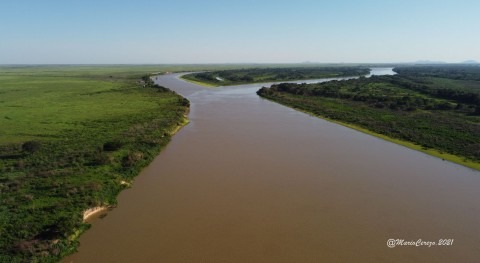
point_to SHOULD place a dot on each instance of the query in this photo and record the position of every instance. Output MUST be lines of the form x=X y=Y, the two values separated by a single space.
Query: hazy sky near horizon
x=238 y=31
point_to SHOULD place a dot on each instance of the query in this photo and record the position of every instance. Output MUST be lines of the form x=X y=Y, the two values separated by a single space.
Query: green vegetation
x=433 y=109
x=71 y=138
x=258 y=75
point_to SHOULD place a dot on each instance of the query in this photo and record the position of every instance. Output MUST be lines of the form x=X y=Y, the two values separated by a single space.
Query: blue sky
x=143 y=31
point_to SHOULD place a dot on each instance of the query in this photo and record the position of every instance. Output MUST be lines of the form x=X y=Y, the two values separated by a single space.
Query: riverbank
x=200 y=83
x=432 y=152
x=407 y=110
x=66 y=153
x=92 y=211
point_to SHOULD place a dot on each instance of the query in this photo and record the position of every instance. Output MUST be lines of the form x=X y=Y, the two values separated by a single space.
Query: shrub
x=131 y=159
x=31 y=146
x=112 y=146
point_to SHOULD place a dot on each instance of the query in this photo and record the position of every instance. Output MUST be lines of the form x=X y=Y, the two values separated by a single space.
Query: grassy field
x=435 y=115
x=71 y=138
x=35 y=107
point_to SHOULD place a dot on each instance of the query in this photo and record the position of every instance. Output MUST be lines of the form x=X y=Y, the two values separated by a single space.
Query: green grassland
x=437 y=115
x=272 y=74
x=71 y=138
x=41 y=107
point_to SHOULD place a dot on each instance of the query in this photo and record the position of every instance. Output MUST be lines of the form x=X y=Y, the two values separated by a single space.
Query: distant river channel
x=249 y=180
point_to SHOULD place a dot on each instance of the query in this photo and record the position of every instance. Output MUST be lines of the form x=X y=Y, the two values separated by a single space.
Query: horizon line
x=237 y=63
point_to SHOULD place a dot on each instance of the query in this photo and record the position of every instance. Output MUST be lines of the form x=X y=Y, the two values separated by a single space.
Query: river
x=249 y=180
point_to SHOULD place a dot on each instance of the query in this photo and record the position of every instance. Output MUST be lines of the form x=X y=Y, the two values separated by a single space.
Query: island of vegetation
x=434 y=109
x=259 y=75
x=71 y=138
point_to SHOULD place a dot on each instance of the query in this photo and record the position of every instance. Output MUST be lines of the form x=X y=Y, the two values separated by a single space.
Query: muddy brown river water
x=249 y=180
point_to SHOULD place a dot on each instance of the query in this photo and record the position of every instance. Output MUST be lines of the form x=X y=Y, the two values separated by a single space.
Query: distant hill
x=469 y=62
